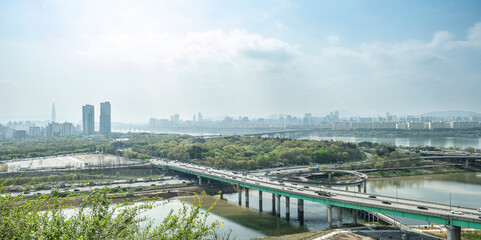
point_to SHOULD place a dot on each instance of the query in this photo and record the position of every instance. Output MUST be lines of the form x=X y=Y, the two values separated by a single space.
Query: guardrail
x=455 y=220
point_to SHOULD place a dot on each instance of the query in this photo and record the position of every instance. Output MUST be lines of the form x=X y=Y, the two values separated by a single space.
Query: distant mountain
x=447 y=114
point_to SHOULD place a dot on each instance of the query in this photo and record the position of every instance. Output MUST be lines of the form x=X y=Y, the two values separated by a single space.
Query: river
x=461 y=142
x=245 y=223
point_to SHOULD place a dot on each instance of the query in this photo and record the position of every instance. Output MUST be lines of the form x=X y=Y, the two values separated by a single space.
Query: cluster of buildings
x=330 y=121
x=88 y=119
x=30 y=129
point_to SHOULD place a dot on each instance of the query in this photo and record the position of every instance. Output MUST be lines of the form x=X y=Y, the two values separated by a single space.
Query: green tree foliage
x=241 y=153
x=244 y=153
x=469 y=149
x=96 y=218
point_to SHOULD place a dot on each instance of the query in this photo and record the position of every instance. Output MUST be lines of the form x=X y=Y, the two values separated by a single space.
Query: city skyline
x=175 y=117
x=238 y=58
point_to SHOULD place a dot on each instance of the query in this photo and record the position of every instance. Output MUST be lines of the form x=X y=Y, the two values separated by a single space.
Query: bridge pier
x=208 y=180
x=239 y=189
x=260 y=201
x=278 y=205
x=329 y=217
x=247 y=197
x=274 y=204
x=300 y=210
x=339 y=216
x=200 y=180
x=354 y=216
x=329 y=176
x=288 y=212
x=359 y=187
x=365 y=186
x=466 y=165
x=454 y=233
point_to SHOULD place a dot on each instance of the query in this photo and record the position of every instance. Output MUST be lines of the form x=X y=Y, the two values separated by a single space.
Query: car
x=326 y=194
x=306 y=186
x=76 y=190
x=372 y=196
x=282 y=184
x=479 y=217
x=257 y=183
x=300 y=189
x=423 y=208
x=386 y=202
x=152 y=184
x=317 y=191
x=294 y=184
x=479 y=209
x=458 y=212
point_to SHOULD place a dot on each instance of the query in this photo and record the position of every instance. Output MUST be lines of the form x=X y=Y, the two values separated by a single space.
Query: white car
x=457 y=212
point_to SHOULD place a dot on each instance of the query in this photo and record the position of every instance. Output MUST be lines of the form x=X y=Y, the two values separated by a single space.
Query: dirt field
x=80 y=161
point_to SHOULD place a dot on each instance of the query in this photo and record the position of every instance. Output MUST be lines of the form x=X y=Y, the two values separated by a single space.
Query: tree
x=469 y=149
x=96 y=218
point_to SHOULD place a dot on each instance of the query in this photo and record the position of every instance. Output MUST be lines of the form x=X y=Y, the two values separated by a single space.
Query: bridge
x=281 y=133
x=426 y=211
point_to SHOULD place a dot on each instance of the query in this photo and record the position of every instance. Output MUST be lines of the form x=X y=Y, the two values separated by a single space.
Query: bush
x=96 y=218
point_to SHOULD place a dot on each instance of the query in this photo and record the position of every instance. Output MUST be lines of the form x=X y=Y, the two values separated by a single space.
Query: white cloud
x=172 y=51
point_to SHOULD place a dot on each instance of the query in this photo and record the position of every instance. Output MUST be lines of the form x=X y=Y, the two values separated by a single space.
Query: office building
x=105 y=119
x=88 y=120
x=54 y=116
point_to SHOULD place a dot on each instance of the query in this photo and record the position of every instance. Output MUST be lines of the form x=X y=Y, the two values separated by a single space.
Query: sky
x=238 y=58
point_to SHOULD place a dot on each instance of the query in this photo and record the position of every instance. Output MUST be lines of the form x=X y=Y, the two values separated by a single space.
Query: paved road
x=362 y=199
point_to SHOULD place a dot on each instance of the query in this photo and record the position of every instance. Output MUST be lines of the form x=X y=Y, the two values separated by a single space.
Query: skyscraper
x=54 y=116
x=199 y=117
x=105 y=120
x=88 y=120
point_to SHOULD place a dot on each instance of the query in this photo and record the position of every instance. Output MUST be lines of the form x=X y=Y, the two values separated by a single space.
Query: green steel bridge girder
x=333 y=202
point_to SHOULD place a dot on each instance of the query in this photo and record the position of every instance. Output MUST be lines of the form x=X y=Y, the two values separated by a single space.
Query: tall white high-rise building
x=54 y=116
x=88 y=120
x=105 y=118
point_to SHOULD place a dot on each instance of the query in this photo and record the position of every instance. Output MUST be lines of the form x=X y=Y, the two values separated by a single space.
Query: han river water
x=246 y=223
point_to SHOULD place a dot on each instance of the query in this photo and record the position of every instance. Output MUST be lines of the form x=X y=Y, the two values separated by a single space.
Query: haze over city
x=238 y=58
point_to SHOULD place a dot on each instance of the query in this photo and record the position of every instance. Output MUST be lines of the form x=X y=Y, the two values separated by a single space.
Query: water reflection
x=315 y=214
x=462 y=142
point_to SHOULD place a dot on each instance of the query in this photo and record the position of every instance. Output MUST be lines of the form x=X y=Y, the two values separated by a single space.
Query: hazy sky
x=254 y=58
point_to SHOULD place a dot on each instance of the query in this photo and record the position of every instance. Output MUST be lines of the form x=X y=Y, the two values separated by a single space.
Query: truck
x=323 y=193
x=313 y=169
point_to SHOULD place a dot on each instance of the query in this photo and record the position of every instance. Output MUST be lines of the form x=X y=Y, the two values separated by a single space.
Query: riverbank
x=420 y=170
x=440 y=231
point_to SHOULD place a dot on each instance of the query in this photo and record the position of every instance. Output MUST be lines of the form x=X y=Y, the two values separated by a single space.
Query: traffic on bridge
x=453 y=218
